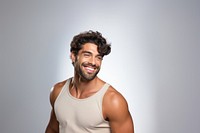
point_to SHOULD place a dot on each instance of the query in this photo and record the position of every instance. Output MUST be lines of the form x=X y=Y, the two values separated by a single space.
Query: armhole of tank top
x=105 y=88
x=61 y=92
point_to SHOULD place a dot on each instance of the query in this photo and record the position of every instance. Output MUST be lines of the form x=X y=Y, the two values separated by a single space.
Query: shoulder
x=115 y=110
x=114 y=103
x=114 y=98
x=55 y=91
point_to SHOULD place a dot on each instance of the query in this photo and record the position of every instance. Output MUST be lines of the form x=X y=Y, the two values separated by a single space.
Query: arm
x=53 y=125
x=116 y=111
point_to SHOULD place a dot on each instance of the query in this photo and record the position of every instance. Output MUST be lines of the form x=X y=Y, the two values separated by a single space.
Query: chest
x=83 y=113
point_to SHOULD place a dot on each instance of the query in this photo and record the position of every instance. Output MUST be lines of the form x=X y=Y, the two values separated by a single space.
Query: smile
x=89 y=69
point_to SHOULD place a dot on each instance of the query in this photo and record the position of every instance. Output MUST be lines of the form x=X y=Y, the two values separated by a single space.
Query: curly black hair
x=90 y=37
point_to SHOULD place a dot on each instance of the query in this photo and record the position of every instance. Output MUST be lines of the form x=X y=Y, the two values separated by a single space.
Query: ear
x=72 y=56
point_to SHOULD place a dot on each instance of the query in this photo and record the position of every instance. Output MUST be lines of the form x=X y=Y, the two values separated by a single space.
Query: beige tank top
x=81 y=115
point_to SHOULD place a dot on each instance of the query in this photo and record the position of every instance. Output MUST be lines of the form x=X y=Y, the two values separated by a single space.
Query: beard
x=84 y=75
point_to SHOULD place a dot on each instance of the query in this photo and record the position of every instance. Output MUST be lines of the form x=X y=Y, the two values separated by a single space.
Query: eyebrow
x=91 y=53
x=86 y=52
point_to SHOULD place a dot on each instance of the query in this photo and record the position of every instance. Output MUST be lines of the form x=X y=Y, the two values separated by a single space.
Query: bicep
x=118 y=114
x=122 y=124
x=53 y=125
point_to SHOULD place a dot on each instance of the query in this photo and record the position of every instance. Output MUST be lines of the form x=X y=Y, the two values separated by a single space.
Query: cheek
x=78 y=60
x=99 y=63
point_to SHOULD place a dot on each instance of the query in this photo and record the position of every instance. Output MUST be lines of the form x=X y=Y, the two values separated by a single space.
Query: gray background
x=154 y=61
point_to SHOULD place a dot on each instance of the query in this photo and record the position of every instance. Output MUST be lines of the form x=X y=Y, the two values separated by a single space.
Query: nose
x=92 y=61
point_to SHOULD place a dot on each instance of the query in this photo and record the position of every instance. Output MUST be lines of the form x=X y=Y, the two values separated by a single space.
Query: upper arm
x=116 y=110
x=53 y=125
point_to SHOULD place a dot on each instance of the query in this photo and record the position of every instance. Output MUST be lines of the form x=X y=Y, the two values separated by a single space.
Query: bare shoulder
x=114 y=96
x=115 y=110
x=55 y=91
x=114 y=103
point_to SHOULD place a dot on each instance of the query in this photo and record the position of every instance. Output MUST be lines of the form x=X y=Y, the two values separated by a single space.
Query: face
x=88 y=62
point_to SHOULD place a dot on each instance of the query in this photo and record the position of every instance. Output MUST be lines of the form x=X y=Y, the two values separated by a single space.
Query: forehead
x=91 y=47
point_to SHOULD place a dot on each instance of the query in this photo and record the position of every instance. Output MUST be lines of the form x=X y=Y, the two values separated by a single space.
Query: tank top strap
x=66 y=86
x=104 y=89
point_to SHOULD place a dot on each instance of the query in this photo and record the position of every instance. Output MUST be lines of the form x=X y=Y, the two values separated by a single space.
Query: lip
x=89 y=69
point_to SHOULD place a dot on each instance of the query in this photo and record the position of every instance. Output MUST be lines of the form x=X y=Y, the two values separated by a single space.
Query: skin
x=115 y=107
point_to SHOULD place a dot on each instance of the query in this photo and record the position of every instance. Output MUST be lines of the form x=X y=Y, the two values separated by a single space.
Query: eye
x=99 y=57
x=86 y=54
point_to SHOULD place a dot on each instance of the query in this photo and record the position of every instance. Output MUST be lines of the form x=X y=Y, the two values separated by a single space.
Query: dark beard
x=85 y=76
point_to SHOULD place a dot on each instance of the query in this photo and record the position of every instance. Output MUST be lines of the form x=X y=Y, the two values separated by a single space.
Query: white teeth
x=91 y=69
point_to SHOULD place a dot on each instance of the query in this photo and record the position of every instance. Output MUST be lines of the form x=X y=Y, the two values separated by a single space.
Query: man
x=85 y=103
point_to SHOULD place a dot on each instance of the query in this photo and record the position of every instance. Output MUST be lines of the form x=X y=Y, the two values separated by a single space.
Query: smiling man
x=85 y=103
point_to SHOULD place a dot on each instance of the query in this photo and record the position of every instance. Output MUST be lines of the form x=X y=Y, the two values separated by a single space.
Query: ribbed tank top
x=81 y=115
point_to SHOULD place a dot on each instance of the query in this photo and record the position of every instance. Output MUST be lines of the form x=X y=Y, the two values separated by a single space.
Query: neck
x=83 y=89
x=81 y=85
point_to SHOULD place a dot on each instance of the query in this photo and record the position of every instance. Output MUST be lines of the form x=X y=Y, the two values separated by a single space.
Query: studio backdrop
x=154 y=61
